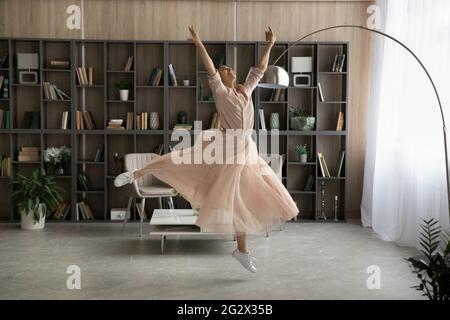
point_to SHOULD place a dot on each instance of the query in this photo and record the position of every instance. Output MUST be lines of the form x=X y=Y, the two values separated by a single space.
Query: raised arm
x=270 y=40
x=207 y=62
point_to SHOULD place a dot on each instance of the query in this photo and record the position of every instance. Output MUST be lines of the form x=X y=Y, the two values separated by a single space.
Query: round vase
x=154 y=120
x=303 y=157
x=124 y=95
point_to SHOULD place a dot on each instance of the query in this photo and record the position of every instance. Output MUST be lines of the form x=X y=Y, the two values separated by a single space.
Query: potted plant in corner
x=123 y=85
x=299 y=121
x=35 y=196
x=302 y=152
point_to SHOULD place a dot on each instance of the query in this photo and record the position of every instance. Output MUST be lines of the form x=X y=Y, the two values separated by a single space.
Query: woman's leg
x=241 y=243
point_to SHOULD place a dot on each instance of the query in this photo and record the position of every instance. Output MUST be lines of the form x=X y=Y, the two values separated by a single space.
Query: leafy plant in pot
x=123 y=85
x=302 y=152
x=299 y=121
x=35 y=196
x=432 y=267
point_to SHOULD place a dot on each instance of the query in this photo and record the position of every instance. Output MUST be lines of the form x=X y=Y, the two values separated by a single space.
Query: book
x=309 y=183
x=172 y=76
x=340 y=121
x=323 y=166
x=90 y=76
x=83 y=182
x=4 y=61
x=31 y=120
x=320 y=92
x=130 y=120
x=99 y=154
x=6 y=88
x=340 y=163
x=262 y=120
x=65 y=120
x=129 y=63
x=63 y=64
x=5 y=166
x=182 y=126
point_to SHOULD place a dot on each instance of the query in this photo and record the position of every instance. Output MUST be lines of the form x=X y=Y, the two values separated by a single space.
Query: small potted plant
x=58 y=157
x=35 y=196
x=123 y=85
x=302 y=152
x=299 y=121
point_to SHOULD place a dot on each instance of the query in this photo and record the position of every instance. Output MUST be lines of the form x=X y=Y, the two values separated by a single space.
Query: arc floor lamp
x=276 y=77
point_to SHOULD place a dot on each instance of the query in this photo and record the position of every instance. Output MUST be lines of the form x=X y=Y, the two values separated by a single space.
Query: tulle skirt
x=233 y=187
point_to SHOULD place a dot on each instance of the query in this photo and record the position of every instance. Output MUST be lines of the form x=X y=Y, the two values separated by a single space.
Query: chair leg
x=160 y=203
x=171 y=206
x=267 y=231
x=142 y=216
x=128 y=211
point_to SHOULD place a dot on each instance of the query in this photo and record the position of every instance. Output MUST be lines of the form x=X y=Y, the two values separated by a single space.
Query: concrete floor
x=304 y=261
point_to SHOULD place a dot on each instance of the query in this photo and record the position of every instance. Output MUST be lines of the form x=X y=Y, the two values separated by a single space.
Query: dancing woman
x=237 y=196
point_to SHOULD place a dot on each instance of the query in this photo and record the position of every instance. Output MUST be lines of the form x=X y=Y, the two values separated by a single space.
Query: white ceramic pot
x=303 y=157
x=27 y=220
x=124 y=95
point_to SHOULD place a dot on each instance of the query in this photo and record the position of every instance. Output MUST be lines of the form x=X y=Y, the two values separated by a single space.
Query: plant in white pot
x=123 y=85
x=300 y=121
x=302 y=152
x=35 y=196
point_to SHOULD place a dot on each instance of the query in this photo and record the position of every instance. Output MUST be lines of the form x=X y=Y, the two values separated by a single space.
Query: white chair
x=147 y=186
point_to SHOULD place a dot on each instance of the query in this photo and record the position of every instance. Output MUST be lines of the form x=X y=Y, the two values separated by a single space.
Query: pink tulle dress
x=241 y=193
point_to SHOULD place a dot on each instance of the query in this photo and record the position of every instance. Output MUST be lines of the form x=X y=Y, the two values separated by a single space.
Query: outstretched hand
x=270 y=35
x=195 y=37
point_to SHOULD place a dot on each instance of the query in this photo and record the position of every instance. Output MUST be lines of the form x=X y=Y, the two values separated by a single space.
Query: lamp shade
x=275 y=77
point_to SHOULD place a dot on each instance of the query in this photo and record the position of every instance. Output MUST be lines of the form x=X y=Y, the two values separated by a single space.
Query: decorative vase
x=303 y=123
x=182 y=117
x=274 y=121
x=27 y=220
x=59 y=169
x=303 y=157
x=186 y=82
x=124 y=95
x=154 y=120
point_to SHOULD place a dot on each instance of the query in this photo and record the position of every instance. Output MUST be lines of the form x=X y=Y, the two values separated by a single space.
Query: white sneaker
x=245 y=259
x=124 y=178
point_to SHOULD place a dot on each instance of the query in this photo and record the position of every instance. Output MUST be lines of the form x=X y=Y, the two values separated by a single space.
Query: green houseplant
x=58 y=157
x=302 y=150
x=432 y=267
x=123 y=85
x=300 y=121
x=35 y=196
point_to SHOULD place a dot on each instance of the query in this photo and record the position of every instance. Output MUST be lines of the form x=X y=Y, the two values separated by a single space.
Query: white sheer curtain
x=404 y=179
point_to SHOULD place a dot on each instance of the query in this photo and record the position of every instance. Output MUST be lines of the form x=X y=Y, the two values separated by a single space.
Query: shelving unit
x=108 y=59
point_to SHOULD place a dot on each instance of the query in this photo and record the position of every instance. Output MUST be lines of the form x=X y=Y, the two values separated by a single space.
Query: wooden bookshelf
x=101 y=98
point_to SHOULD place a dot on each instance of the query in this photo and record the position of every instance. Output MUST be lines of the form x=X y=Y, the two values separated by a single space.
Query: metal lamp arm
x=444 y=127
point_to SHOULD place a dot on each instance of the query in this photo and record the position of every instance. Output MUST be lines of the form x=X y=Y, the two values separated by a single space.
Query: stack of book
x=84 y=211
x=31 y=120
x=65 y=120
x=99 y=154
x=116 y=124
x=5 y=119
x=5 y=166
x=219 y=60
x=340 y=121
x=52 y=92
x=310 y=183
x=84 y=120
x=4 y=61
x=59 y=64
x=323 y=166
x=215 y=121
x=85 y=76
x=340 y=163
x=61 y=211
x=84 y=184
x=159 y=149
x=129 y=63
x=182 y=126
x=262 y=121
x=155 y=77
x=338 y=64
x=142 y=121
x=172 y=76
x=277 y=95
x=29 y=154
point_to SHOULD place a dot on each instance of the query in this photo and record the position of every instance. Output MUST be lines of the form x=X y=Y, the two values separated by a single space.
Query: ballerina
x=239 y=194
